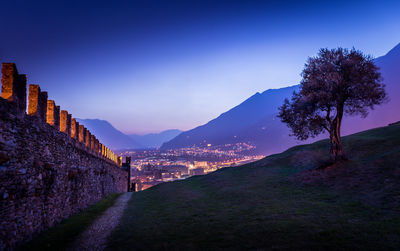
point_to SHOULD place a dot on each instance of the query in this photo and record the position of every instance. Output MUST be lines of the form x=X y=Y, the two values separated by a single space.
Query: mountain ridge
x=155 y=140
x=108 y=134
x=116 y=140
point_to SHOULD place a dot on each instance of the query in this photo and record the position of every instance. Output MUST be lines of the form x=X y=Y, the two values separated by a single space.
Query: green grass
x=262 y=206
x=66 y=232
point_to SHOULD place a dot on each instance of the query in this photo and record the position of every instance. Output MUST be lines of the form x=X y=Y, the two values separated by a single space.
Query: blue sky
x=146 y=66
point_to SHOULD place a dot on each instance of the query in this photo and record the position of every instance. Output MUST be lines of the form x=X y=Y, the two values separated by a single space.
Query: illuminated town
x=150 y=167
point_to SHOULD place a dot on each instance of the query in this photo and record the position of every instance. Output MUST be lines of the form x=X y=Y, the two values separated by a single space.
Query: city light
x=151 y=167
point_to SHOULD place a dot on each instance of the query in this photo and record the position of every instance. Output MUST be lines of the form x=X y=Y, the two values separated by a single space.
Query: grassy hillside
x=281 y=202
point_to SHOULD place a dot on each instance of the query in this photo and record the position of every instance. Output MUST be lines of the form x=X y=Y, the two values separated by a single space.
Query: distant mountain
x=255 y=119
x=109 y=135
x=385 y=113
x=252 y=121
x=155 y=140
x=117 y=140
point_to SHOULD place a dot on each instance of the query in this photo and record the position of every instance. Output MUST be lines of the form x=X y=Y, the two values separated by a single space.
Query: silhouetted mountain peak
x=395 y=52
x=290 y=88
x=390 y=60
x=108 y=134
x=97 y=121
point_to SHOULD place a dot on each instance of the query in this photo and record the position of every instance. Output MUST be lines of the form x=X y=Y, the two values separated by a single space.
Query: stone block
x=65 y=122
x=97 y=144
x=50 y=118
x=13 y=87
x=82 y=134
x=74 y=129
x=33 y=100
x=101 y=148
x=88 y=139
x=92 y=140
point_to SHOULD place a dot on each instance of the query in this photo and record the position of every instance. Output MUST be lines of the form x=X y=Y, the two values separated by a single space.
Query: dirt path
x=95 y=237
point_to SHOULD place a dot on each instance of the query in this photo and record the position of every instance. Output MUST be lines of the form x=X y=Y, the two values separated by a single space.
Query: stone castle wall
x=50 y=166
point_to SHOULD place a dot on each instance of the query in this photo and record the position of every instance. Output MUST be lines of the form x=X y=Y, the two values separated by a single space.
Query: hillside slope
x=281 y=202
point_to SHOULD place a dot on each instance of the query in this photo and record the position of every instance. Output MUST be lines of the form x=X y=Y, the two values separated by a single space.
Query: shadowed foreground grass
x=66 y=232
x=262 y=205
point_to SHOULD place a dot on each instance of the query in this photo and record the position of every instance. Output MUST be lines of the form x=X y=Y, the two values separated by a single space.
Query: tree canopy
x=335 y=83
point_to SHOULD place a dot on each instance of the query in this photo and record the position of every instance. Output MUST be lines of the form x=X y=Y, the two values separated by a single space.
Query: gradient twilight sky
x=146 y=66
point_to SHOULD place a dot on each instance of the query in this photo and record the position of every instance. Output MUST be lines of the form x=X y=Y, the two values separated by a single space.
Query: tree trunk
x=336 y=150
x=332 y=141
x=339 y=146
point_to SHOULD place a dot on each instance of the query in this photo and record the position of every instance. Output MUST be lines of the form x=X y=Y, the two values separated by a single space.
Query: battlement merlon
x=74 y=129
x=82 y=134
x=97 y=145
x=91 y=143
x=65 y=122
x=13 y=87
x=50 y=115
x=53 y=114
x=33 y=100
x=37 y=102
x=88 y=139
x=103 y=151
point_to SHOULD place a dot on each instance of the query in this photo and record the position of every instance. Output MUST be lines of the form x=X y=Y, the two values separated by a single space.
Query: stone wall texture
x=46 y=175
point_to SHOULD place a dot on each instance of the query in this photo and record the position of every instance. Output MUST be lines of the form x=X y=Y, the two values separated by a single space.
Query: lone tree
x=336 y=82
